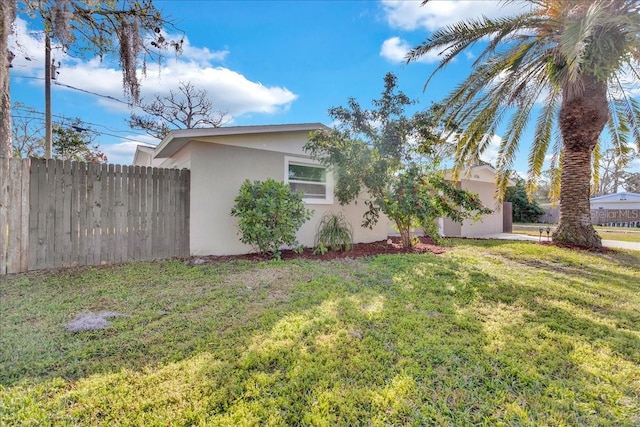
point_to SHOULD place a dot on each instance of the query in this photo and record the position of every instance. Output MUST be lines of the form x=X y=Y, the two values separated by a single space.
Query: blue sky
x=263 y=62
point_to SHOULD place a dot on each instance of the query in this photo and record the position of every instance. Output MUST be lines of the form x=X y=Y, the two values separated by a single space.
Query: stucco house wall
x=481 y=180
x=219 y=165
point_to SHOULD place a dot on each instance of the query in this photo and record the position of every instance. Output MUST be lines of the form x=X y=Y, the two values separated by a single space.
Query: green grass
x=490 y=333
x=623 y=234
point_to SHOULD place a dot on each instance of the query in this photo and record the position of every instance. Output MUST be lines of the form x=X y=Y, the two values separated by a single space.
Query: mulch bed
x=390 y=246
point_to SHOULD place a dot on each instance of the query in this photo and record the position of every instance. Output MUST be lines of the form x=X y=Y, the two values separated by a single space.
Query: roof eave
x=177 y=139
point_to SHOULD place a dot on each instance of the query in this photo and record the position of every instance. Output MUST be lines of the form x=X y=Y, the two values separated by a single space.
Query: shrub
x=270 y=215
x=334 y=232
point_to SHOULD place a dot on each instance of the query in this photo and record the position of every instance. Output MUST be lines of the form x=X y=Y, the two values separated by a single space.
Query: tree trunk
x=405 y=233
x=7 y=14
x=583 y=115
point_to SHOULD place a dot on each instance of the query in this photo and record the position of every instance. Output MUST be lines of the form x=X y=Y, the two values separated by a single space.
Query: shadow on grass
x=413 y=339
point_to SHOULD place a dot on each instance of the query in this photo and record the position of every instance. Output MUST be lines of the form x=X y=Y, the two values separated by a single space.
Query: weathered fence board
x=63 y=214
x=14 y=177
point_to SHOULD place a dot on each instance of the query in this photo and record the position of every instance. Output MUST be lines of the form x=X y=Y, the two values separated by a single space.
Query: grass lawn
x=623 y=234
x=489 y=333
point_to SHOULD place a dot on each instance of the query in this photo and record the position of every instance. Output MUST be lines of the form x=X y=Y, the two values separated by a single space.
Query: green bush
x=334 y=232
x=270 y=215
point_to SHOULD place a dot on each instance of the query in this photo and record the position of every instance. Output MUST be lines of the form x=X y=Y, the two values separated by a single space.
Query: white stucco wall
x=488 y=224
x=218 y=171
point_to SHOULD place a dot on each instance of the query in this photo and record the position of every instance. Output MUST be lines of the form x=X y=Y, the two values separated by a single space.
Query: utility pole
x=48 y=139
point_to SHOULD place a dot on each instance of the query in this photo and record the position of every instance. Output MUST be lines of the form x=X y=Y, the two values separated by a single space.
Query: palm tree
x=562 y=63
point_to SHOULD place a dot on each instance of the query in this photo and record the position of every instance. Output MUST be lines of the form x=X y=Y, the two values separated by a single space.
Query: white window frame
x=328 y=200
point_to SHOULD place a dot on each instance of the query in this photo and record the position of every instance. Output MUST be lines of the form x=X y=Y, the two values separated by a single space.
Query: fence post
x=507 y=217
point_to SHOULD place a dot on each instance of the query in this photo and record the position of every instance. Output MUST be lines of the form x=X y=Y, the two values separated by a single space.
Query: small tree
x=75 y=142
x=393 y=157
x=189 y=108
x=270 y=215
x=524 y=210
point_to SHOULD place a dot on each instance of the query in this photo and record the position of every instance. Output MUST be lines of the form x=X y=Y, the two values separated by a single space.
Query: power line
x=33 y=111
x=92 y=93
x=78 y=89
x=92 y=130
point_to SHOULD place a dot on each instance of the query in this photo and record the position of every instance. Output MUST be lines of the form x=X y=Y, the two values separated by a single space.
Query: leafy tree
x=75 y=142
x=524 y=210
x=99 y=27
x=72 y=139
x=393 y=158
x=270 y=215
x=572 y=54
x=188 y=109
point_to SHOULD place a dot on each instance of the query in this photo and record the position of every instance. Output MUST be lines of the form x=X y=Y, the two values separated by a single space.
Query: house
x=617 y=208
x=616 y=201
x=478 y=179
x=220 y=159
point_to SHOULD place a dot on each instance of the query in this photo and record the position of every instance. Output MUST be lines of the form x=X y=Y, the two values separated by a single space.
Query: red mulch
x=391 y=246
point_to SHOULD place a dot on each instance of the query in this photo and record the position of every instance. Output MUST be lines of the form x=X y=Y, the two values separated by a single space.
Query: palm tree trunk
x=583 y=115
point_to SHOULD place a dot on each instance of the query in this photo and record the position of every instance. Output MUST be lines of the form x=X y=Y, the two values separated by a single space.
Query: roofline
x=467 y=169
x=614 y=195
x=142 y=148
x=176 y=139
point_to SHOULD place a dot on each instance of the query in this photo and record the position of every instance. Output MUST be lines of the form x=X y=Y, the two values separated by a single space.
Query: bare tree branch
x=187 y=108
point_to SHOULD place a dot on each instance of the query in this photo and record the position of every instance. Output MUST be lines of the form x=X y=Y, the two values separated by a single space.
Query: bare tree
x=27 y=132
x=632 y=182
x=612 y=172
x=187 y=109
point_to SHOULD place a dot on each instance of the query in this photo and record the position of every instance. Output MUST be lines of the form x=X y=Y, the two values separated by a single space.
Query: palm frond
x=544 y=128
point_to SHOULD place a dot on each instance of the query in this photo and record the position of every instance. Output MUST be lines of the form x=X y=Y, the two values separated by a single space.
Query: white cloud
x=395 y=49
x=27 y=48
x=490 y=153
x=409 y=15
x=229 y=90
x=122 y=152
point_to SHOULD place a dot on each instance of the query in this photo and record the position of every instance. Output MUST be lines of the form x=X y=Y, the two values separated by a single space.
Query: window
x=310 y=178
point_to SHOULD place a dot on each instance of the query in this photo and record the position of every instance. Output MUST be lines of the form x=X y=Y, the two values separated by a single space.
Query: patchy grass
x=489 y=333
x=622 y=234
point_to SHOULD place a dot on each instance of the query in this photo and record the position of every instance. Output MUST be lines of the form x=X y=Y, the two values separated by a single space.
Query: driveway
x=607 y=243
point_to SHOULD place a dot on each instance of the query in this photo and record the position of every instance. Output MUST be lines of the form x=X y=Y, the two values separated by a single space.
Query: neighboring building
x=220 y=159
x=616 y=201
x=478 y=179
x=617 y=208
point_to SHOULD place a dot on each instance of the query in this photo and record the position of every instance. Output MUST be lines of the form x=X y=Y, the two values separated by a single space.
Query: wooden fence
x=63 y=214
